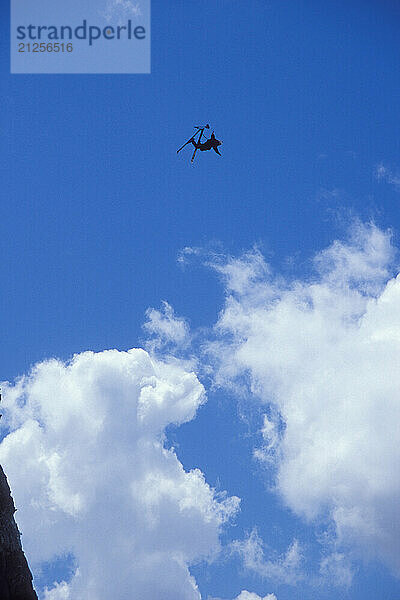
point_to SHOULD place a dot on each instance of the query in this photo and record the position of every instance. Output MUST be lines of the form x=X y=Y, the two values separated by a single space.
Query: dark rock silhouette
x=15 y=576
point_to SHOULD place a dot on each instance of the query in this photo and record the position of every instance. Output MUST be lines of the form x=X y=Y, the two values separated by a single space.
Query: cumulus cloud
x=251 y=596
x=84 y=440
x=284 y=569
x=245 y=595
x=323 y=354
x=84 y=452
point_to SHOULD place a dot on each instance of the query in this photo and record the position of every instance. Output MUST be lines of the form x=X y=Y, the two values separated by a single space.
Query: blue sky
x=96 y=207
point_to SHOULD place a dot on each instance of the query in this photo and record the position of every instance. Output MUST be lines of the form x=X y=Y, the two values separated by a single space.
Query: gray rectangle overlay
x=80 y=36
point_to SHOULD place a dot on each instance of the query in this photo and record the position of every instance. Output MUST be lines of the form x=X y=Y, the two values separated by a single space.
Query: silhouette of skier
x=212 y=142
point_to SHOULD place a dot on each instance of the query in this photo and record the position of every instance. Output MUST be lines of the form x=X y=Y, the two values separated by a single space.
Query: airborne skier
x=212 y=142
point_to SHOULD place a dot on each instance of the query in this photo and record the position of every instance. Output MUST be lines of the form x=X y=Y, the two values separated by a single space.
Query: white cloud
x=166 y=328
x=91 y=477
x=245 y=595
x=251 y=596
x=325 y=353
x=284 y=569
x=241 y=272
x=387 y=174
x=272 y=437
x=186 y=252
x=336 y=570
